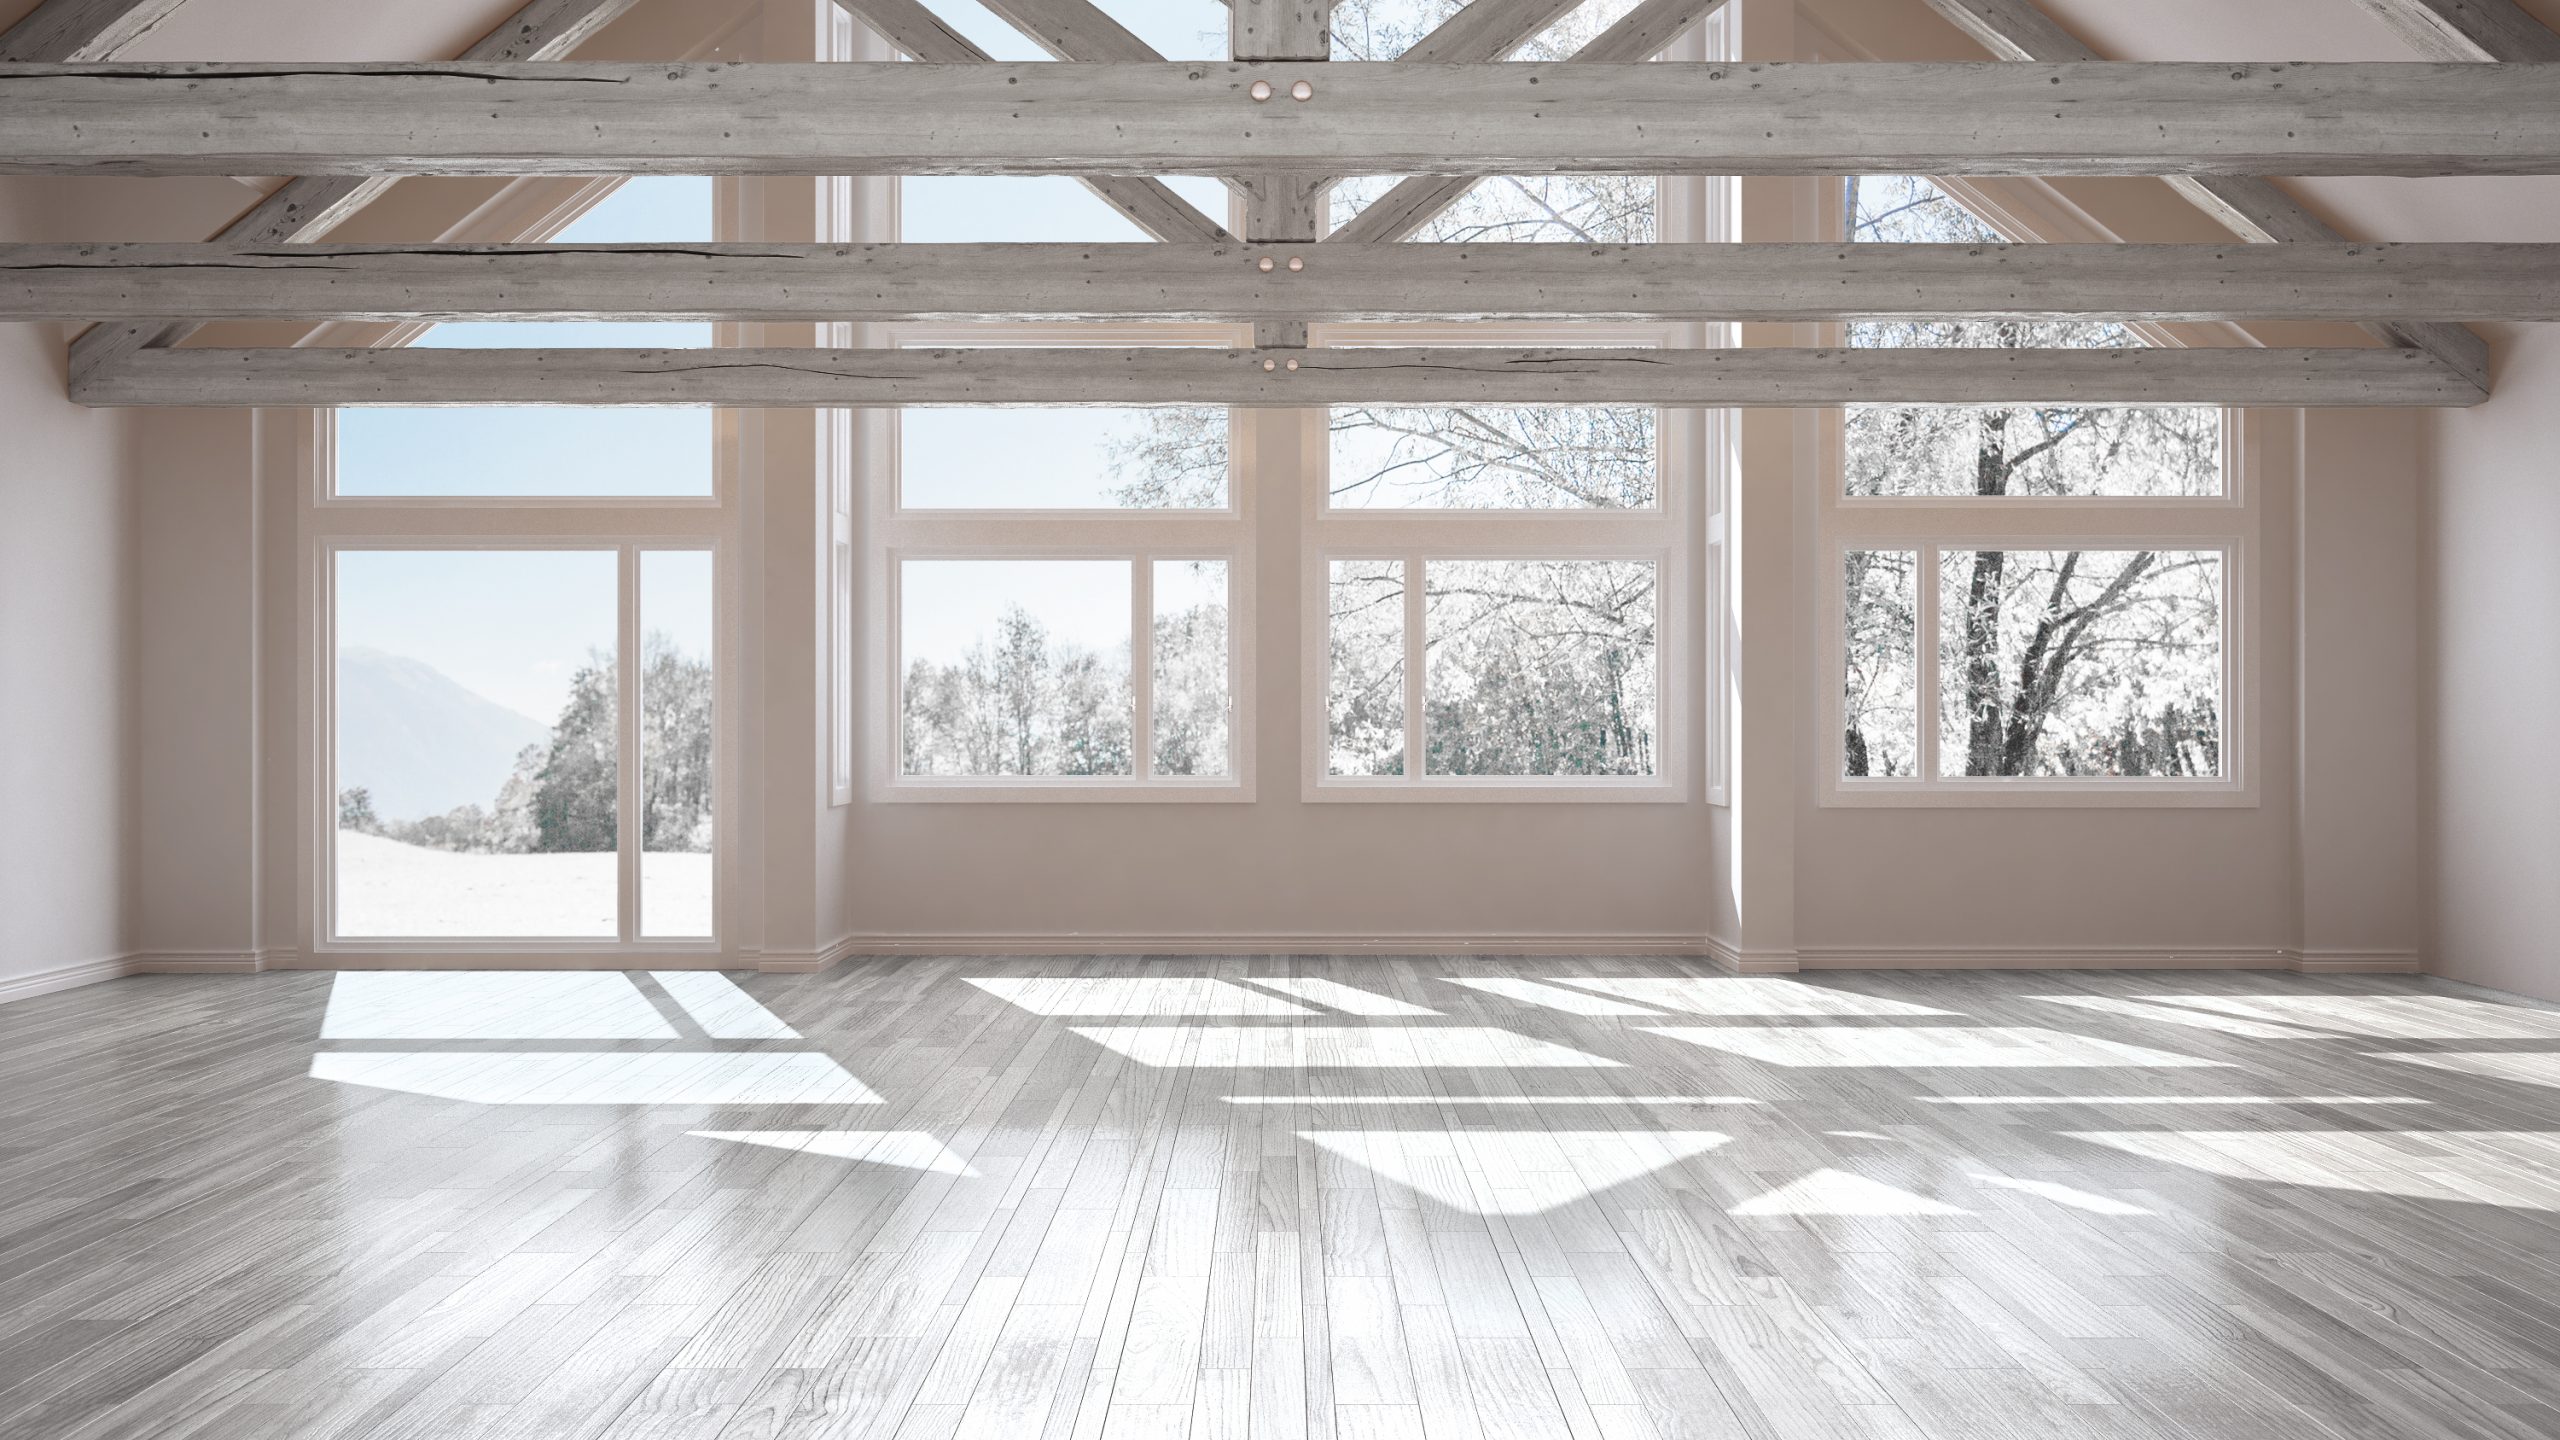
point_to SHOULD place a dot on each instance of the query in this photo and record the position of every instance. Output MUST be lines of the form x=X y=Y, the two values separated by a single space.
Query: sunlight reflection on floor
x=2515 y=1168
x=1916 y=1047
x=1333 y=1046
x=1512 y=1172
x=601 y=1077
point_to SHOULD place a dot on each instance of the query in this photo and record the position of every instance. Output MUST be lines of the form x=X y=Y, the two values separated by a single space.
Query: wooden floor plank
x=1897 y=1206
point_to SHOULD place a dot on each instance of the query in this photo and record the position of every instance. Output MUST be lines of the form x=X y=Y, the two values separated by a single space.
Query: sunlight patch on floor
x=1920 y=1047
x=2192 y=1019
x=657 y=1077
x=2061 y=1194
x=1512 y=1172
x=2173 y=1099
x=1333 y=994
x=2517 y=1169
x=489 y=1005
x=1838 y=1192
x=905 y=1149
x=2385 y=1017
x=724 y=1011
x=1173 y=997
x=2529 y=1067
x=1553 y=997
x=1315 y=1047
x=1745 y=995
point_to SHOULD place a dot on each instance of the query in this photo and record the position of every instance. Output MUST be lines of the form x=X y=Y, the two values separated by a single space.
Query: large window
x=530 y=453
x=508 y=763
x=518 y=746
x=1058 y=584
x=1502 y=592
x=2027 y=601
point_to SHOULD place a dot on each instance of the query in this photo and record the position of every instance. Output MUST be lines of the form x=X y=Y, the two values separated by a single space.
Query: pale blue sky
x=948 y=605
x=513 y=626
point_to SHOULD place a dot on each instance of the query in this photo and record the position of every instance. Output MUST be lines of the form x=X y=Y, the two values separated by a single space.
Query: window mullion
x=1926 y=644
x=627 y=752
x=1416 y=648
x=1142 y=668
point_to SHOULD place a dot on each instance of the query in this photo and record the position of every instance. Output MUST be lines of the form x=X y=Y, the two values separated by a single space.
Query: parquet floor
x=1425 y=1199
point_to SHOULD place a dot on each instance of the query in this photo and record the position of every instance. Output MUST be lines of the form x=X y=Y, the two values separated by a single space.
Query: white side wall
x=2493 y=721
x=65 y=673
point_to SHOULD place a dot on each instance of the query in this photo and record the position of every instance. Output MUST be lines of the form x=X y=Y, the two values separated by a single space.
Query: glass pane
x=675 y=743
x=2008 y=450
x=1364 y=699
x=1178 y=29
x=1385 y=29
x=551 y=451
x=1015 y=667
x=1193 y=710
x=1031 y=208
x=1165 y=458
x=476 y=743
x=1493 y=457
x=1880 y=648
x=2080 y=662
x=1539 y=667
x=1556 y=209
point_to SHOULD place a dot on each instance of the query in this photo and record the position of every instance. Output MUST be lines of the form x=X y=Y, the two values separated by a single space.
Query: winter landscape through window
x=2050 y=645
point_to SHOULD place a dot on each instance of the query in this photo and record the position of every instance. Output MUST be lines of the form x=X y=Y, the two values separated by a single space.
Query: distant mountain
x=419 y=741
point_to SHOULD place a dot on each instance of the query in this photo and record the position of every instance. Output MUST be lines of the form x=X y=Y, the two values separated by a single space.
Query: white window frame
x=2229 y=523
x=628 y=780
x=330 y=523
x=1672 y=535
x=1137 y=537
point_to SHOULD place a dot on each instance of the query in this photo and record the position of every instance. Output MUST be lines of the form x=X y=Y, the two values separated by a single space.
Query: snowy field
x=393 y=891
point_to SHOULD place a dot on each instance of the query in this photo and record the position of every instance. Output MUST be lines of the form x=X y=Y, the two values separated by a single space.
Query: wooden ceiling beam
x=1488 y=119
x=1778 y=284
x=2492 y=30
x=1273 y=379
x=60 y=31
x=310 y=206
x=1156 y=208
x=2253 y=207
x=1413 y=202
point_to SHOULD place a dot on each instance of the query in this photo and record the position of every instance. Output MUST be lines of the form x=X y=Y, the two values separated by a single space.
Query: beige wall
x=65 y=677
x=2493 y=625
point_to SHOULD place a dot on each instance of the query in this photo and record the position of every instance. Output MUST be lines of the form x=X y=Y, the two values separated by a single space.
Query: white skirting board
x=63 y=977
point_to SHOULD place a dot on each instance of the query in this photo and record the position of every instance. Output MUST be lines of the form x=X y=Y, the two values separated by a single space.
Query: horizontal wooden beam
x=1230 y=283
x=1264 y=379
x=1497 y=118
x=2255 y=208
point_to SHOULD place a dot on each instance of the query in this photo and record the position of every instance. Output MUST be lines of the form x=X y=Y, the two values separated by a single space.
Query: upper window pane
x=1178 y=29
x=2080 y=663
x=1493 y=457
x=1555 y=209
x=2016 y=449
x=1385 y=29
x=1052 y=208
x=1550 y=209
x=1015 y=667
x=550 y=451
x=1167 y=458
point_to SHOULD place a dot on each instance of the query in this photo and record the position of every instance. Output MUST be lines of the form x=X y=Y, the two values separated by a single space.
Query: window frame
x=628 y=635
x=1660 y=534
x=329 y=523
x=900 y=532
x=2230 y=523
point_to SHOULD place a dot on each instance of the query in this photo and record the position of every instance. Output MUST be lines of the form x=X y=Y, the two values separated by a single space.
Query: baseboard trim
x=1751 y=962
x=2358 y=962
x=498 y=960
x=64 y=977
x=196 y=962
